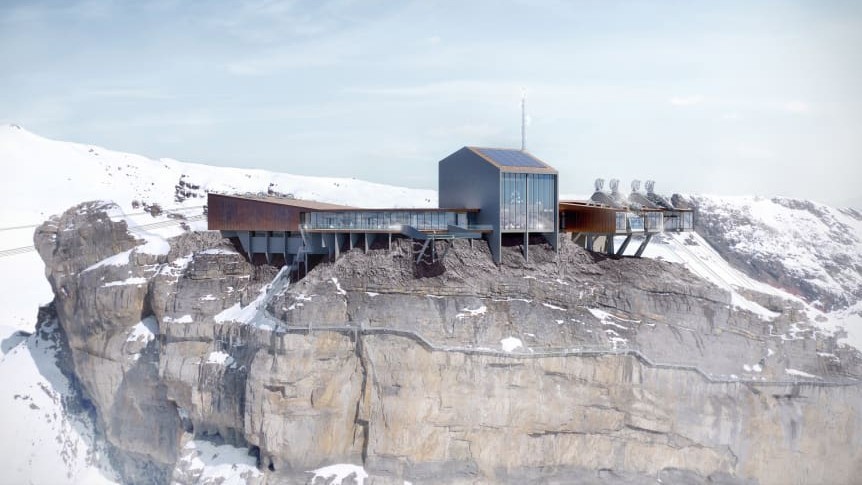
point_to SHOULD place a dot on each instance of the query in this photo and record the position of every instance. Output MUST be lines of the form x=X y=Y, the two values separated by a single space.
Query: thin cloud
x=798 y=107
x=473 y=131
x=127 y=93
x=747 y=151
x=267 y=22
x=293 y=58
x=686 y=100
x=460 y=89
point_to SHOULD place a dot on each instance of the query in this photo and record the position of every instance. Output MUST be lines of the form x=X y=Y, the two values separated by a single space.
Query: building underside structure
x=295 y=232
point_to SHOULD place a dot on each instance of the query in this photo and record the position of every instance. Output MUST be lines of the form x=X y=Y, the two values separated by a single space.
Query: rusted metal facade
x=231 y=213
x=585 y=218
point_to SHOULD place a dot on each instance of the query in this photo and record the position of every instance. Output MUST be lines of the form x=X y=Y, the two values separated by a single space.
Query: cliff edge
x=568 y=368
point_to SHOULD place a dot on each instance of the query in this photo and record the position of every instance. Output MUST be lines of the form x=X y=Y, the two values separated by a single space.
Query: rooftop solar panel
x=511 y=158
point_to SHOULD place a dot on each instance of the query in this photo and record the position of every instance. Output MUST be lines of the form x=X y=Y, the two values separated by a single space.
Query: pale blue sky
x=720 y=97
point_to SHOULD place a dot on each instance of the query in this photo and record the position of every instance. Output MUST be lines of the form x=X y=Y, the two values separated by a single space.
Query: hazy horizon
x=732 y=98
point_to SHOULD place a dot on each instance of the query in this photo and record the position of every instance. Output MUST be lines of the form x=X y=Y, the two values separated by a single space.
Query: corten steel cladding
x=227 y=213
x=589 y=219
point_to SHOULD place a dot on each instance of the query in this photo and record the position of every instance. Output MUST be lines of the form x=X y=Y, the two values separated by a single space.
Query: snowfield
x=813 y=243
x=59 y=175
x=43 y=442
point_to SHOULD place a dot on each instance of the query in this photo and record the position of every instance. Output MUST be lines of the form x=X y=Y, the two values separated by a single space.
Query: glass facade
x=678 y=221
x=527 y=202
x=687 y=221
x=654 y=221
x=621 y=221
x=636 y=223
x=384 y=220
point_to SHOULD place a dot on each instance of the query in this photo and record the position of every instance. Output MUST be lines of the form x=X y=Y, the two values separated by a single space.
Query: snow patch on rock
x=511 y=343
x=220 y=358
x=128 y=281
x=144 y=331
x=206 y=463
x=335 y=474
x=471 y=312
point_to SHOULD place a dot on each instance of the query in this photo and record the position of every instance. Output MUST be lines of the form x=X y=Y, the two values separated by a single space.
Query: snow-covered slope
x=43 y=441
x=702 y=259
x=46 y=177
x=809 y=249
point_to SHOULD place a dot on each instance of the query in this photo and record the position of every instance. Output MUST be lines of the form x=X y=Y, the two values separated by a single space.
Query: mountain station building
x=502 y=196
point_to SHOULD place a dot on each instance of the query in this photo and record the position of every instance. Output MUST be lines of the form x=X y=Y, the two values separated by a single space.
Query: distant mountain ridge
x=808 y=249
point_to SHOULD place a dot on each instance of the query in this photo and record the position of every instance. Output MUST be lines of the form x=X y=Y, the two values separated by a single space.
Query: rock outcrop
x=567 y=368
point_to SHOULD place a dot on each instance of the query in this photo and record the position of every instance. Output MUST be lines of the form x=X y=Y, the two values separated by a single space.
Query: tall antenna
x=523 y=119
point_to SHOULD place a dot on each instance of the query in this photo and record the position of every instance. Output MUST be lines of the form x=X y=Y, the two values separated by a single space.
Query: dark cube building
x=516 y=192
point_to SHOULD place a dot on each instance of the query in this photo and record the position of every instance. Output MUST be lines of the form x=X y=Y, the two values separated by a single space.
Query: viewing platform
x=485 y=193
x=596 y=223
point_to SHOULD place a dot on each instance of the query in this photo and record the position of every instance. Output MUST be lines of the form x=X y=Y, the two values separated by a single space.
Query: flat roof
x=574 y=204
x=587 y=203
x=298 y=203
x=313 y=205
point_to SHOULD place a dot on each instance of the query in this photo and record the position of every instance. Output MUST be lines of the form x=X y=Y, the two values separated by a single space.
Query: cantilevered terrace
x=485 y=193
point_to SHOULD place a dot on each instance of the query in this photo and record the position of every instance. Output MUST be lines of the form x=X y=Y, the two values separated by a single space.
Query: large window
x=513 y=202
x=527 y=202
x=385 y=220
x=654 y=221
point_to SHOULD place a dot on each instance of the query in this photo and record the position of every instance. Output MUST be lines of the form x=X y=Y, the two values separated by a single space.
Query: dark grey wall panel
x=466 y=180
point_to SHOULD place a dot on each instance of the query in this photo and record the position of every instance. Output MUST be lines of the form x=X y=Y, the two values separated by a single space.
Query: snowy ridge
x=71 y=173
x=52 y=176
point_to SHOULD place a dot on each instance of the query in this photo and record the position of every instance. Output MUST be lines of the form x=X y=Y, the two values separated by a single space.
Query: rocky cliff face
x=569 y=368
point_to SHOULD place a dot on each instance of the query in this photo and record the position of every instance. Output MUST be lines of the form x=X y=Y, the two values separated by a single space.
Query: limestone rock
x=568 y=368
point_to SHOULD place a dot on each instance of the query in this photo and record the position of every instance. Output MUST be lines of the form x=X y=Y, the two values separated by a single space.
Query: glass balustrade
x=383 y=220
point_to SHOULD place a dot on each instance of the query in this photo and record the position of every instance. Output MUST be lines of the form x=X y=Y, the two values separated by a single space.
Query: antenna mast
x=523 y=119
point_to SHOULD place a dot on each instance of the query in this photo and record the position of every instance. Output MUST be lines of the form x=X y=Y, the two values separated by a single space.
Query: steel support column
x=643 y=246
x=624 y=245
